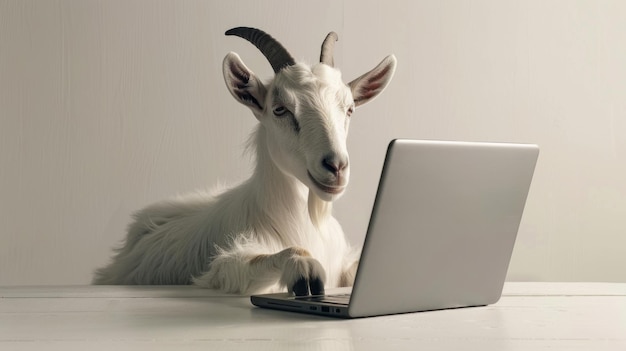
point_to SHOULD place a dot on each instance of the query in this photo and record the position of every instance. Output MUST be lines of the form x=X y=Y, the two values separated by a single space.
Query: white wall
x=106 y=106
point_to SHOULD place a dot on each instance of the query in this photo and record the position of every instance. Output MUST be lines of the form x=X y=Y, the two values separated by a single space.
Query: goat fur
x=275 y=228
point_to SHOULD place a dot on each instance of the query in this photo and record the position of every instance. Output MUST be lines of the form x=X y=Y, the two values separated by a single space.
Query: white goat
x=274 y=230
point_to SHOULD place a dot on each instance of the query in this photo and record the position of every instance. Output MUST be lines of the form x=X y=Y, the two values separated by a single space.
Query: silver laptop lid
x=443 y=226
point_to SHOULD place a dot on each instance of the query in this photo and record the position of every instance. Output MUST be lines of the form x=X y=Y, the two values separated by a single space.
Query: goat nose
x=334 y=164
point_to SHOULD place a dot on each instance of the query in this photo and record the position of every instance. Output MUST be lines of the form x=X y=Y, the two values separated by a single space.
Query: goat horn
x=327 y=49
x=275 y=53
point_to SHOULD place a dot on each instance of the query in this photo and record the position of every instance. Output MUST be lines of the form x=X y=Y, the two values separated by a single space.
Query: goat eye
x=280 y=110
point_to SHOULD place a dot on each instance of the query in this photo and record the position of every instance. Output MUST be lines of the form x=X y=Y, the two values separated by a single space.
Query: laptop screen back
x=443 y=226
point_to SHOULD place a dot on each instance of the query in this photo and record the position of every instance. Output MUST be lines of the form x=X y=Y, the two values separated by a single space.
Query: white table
x=530 y=316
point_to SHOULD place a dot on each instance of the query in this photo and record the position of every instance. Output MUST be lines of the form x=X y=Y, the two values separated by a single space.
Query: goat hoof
x=304 y=287
x=317 y=287
x=301 y=287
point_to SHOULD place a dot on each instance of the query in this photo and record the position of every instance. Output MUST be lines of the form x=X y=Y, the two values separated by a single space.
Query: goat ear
x=371 y=84
x=243 y=85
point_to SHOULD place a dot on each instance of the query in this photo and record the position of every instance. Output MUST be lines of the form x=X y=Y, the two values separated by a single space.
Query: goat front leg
x=246 y=273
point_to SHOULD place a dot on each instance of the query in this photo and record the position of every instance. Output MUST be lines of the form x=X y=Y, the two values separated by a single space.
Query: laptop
x=441 y=232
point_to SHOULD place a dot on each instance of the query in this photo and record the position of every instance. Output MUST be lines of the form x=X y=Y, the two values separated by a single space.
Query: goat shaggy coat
x=275 y=230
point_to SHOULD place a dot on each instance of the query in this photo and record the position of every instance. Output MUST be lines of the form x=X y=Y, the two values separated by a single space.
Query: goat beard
x=319 y=210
